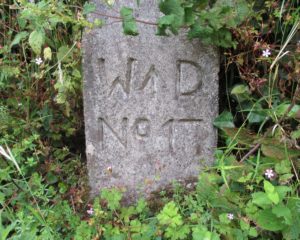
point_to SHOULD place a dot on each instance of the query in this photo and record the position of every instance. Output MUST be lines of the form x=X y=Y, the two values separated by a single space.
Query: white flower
x=90 y=211
x=266 y=53
x=269 y=173
x=230 y=216
x=38 y=61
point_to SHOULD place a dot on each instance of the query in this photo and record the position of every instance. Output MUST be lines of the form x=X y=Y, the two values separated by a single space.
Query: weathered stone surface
x=149 y=104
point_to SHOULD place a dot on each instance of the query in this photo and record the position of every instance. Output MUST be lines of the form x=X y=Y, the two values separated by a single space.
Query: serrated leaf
x=36 y=40
x=224 y=120
x=129 y=23
x=18 y=38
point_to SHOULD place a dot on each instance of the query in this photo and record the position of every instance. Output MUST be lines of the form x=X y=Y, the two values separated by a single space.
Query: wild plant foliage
x=252 y=191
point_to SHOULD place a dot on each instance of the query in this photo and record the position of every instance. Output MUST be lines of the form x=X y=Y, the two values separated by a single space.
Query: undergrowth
x=251 y=192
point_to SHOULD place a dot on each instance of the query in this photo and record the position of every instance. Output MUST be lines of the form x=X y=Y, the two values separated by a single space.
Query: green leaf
x=170 y=216
x=277 y=151
x=240 y=89
x=269 y=221
x=88 y=8
x=253 y=232
x=64 y=54
x=295 y=134
x=112 y=197
x=282 y=109
x=189 y=16
x=18 y=38
x=261 y=199
x=282 y=211
x=271 y=192
x=171 y=8
x=36 y=40
x=129 y=23
x=224 y=120
x=269 y=188
x=47 y=53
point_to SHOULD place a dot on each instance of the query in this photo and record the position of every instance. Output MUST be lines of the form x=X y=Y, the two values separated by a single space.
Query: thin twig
x=257 y=146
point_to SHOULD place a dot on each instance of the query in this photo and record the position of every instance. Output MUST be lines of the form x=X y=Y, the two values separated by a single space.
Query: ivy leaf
x=18 y=38
x=224 y=120
x=36 y=40
x=171 y=8
x=129 y=23
x=163 y=24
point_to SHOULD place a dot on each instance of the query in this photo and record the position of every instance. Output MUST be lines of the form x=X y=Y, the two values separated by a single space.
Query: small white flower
x=269 y=173
x=90 y=211
x=266 y=53
x=38 y=61
x=230 y=216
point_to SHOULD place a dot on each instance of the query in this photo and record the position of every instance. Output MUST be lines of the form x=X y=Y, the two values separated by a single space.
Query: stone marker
x=149 y=103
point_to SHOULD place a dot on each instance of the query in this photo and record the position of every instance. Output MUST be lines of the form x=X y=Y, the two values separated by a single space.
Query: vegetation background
x=252 y=191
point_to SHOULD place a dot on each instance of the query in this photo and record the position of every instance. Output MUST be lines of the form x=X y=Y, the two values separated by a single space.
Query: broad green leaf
x=18 y=38
x=224 y=120
x=36 y=40
x=268 y=187
x=240 y=89
x=282 y=211
x=261 y=199
x=271 y=192
x=252 y=232
x=63 y=54
x=283 y=167
x=282 y=109
x=269 y=221
x=129 y=23
x=277 y=151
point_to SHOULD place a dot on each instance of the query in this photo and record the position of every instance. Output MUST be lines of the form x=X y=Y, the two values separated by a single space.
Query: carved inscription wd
x=149 y=104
